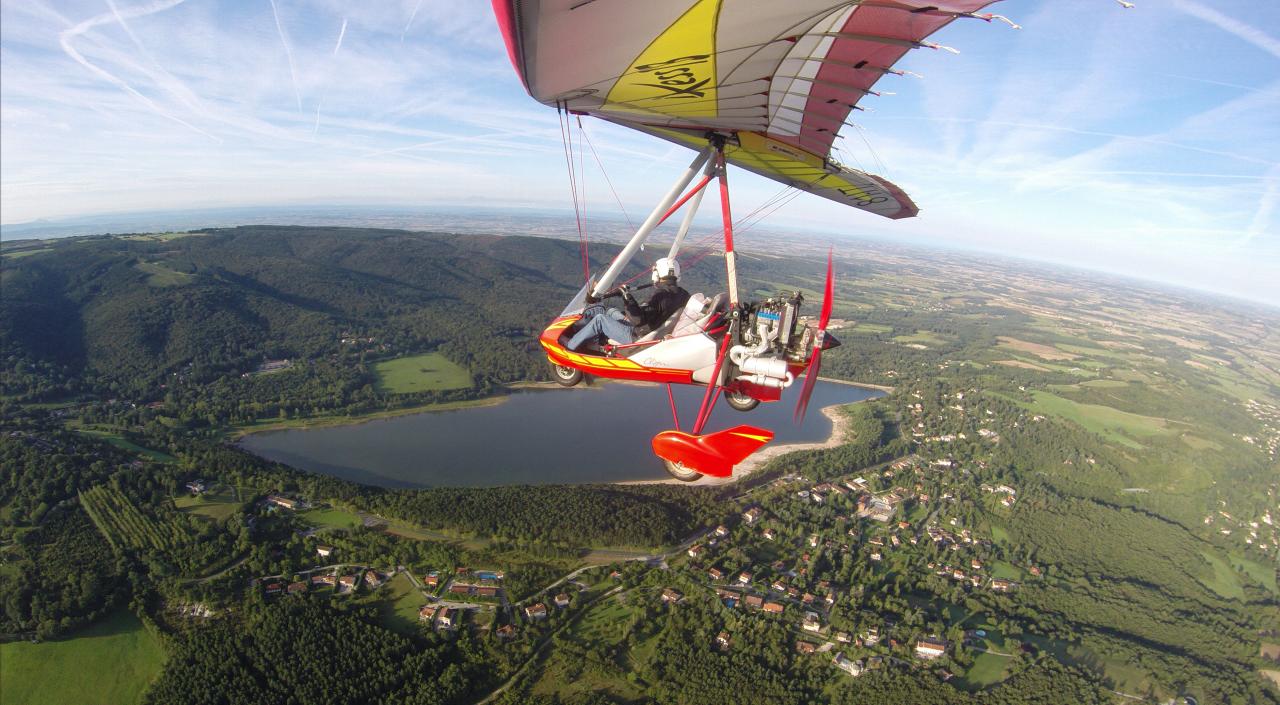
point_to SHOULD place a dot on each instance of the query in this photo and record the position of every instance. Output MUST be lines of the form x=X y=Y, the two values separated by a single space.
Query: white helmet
x=665 y=267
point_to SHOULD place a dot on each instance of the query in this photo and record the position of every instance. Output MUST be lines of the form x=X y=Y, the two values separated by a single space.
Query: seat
x=692 y=309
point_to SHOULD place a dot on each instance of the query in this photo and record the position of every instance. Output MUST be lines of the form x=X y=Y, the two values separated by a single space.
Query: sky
x=1142 y=141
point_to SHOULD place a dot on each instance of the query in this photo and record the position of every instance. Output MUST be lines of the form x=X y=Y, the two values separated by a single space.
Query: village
x=801 y=551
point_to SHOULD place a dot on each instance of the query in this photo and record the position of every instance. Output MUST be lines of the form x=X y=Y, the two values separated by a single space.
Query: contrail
x=409 y=24
x=288 y=52
x=1248 y=33
x=66 y=36
x=341 y=33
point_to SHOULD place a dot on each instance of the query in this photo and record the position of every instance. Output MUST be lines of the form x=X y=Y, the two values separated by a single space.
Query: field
x=123 y=443
x=1223 y=580
x=122 y=524
x=1113 y=424
x=1263 y=574
x=1047 y=352
x=987 y=670
x=331 y=518
x=27 y=253
x=921 y=337
x=161 y=276
x=217 y=504
x=399 y=607
x=421 y=373
x=111 y=663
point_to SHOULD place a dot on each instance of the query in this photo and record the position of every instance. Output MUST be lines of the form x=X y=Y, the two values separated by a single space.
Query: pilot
x=668 y=298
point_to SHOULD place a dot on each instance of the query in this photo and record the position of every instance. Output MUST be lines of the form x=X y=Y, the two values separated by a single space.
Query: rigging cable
x=566 y=141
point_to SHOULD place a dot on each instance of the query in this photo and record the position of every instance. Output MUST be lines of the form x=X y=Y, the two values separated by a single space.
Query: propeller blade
x=820 y=343
x=810 y=381
x=828 y=296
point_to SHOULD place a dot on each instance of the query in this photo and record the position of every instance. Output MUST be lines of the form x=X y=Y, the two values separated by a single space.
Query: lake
x=599 y=433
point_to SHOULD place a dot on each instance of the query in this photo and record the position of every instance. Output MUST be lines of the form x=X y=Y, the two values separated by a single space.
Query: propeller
x=819 y=344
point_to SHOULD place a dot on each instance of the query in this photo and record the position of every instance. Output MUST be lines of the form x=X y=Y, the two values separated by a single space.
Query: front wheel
x=741 y=402
x=566 y=376
x=680 y=472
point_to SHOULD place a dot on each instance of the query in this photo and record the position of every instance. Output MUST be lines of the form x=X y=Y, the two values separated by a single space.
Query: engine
x=768 y=341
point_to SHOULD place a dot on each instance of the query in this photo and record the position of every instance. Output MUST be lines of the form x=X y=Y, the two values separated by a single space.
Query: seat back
x=692 y=309
x=694 y=320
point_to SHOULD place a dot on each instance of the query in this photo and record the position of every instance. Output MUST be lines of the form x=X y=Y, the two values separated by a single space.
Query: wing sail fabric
x=777 y=78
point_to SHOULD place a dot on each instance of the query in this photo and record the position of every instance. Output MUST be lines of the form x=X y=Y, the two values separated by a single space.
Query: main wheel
x=680 y=472
x=566 y=376
x=741 y=402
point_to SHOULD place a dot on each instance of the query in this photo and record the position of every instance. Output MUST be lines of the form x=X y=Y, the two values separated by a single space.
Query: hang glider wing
x=778 y=79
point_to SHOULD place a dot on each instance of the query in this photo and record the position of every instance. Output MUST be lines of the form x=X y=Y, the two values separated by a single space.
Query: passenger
x=668 y=298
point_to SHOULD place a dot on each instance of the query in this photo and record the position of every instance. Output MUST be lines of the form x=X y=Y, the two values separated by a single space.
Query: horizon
x=934 y=246
x=1146 y=147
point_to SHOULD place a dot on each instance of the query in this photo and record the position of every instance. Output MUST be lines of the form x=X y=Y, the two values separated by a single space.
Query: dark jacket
x=668 y=298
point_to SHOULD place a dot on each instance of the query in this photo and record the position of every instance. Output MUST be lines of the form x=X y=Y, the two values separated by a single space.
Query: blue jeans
x=611 y=323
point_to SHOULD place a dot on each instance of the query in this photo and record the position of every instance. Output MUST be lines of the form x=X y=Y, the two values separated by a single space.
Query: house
x=811 y=622
x=773 y=608
x=324 y=551
x=1001 y=585
x=843 y=637
x=273 y=588
x=722 y=640
x=486 y=591
x=431 y=579
x=715 y=574
x=695 y=550
x=329 y=580
x=779 y=585
x=1034 y=570
x=813 y=540
x=744 y=577
x=975 y=564
x=448 y=618
x=871 y=637
x=372 y=579
x=671 y=596
x=615 y=575
x=753 y=601
x=427 y=613
x=807 y=598
x=853 y=668
x=460 y=588
x=536 y=611
x=196 y=487
x=806 y=647
x=930 y=648
x=347 y=583
x=752 y=515
x=300 y=586
x=770 y=535
x=875 y=556
x=562 y=600
x=722 y=530
x=286 y=502
x=506 y=631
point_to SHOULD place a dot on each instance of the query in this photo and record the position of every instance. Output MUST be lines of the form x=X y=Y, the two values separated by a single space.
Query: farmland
x=123 y=525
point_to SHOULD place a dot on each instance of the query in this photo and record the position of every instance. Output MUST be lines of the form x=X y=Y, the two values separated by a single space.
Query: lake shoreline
x=237 y=433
